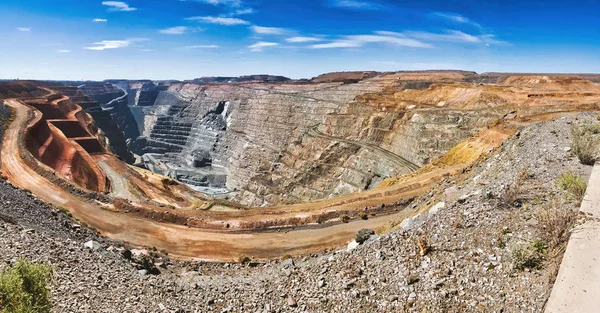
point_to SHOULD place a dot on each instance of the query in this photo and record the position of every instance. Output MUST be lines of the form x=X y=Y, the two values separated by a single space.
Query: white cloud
x=227 y=21
x=232 y=3
x=243 y=11
x=337 y=44
x=178 y=30
x=456 y=18
x=356 y=41
x=118 y=6
x=355 y=4
x=201 y=47
x=113 y=44
x=257 y=47
x=449 y=36
x=268 y=30
x=23 y=29
x=64 y=51
x=301 y=39
x=453 y=17
x=99 y=20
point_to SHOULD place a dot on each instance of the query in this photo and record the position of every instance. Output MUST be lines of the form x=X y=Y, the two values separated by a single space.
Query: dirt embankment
x=21 y=89
x=53 y=138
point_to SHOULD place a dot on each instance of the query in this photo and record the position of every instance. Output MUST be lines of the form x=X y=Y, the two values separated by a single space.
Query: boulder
x=364 y=235
x=92 y=245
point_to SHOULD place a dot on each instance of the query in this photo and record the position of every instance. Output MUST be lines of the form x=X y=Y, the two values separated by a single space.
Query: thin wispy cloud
x=178 y=30
x=64 y=51
x=99 y=20
x=232 y=3
x=219 y=20
x=355 y=4
x=118 y=6
x=451 y=36
x=23 y=29
x=455 y=18
x=199 y=47
x=267 y=30
x=357 y=41
x=259 y=46
x=301 y=39
x=243 y=11
x=448 y=36
x=113 y=44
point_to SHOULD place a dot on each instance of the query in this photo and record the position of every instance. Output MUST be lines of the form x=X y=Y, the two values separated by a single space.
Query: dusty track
x=402 y=162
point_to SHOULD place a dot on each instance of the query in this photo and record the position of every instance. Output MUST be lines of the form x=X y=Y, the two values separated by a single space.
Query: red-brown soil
x=47 y=139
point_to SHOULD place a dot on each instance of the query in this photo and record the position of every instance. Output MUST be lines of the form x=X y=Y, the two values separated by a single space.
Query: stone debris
x=92 y=245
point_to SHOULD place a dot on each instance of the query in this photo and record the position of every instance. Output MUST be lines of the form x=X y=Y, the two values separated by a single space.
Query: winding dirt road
x=402 y=162
x=180 y=241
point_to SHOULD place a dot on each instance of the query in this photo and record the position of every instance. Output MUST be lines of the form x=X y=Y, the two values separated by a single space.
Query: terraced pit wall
x=107 y=104
x=268 y=138
x=55 y=143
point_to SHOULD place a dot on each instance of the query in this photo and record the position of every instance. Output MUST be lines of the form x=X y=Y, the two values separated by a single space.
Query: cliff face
x=107 y=104
x=293 y=142
x=296 y=141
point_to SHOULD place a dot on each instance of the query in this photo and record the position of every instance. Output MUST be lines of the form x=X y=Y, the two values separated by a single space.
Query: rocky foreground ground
x=456 y=258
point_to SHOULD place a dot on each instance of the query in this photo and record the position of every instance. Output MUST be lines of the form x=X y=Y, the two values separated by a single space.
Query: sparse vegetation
x=574 y=185
x=363 y=215
x=244 y=259
x=540 y=246
x=511 y=197
x=24 y=288
x=525 y=255
x=344 y=218
x=584 y=144
x=64 y=211
x=423 y=245
x=554 y=222
x=286 y=257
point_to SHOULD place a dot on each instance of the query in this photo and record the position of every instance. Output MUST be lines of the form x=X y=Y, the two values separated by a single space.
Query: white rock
x=352 y=245
x=92 y=245
x=139 y=252
x=436 y=208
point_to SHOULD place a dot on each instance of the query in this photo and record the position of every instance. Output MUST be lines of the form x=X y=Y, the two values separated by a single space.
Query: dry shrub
x=574 y=185
x=584 y=144
x=511 y=197
x=555 y=221
x=344 y=218
x=244 y=259
x=423 y=245
x=525 y=255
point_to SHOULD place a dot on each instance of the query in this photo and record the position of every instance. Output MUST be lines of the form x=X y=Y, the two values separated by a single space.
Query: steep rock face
x=108 y=107
x=295 y=142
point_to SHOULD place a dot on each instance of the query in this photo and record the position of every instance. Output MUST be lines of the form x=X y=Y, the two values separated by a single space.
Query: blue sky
x=174 y=39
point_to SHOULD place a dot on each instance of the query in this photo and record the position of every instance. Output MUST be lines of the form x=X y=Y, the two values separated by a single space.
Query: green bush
x=573 y=184
x=24 y=288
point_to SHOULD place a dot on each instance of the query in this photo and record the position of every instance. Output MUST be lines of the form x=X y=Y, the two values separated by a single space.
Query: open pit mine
x=265 y=166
